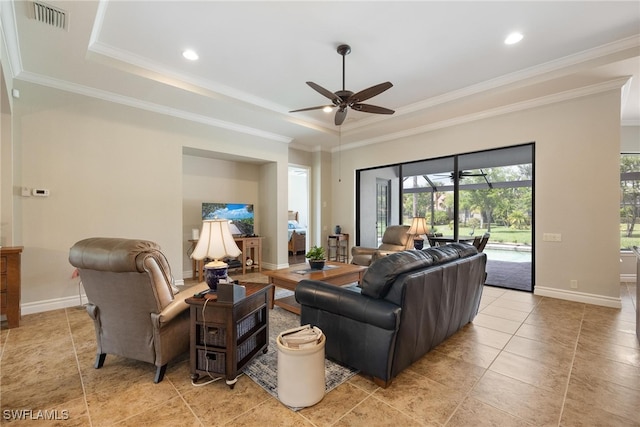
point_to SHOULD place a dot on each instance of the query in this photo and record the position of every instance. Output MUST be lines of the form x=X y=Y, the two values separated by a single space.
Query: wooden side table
x=225 y=336
x=251 y=247
x=338 y=245
x=10 y=284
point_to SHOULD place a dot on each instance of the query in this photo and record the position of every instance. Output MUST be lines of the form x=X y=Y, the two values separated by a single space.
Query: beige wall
x=630 y=139
x=300 y=157
x=577 y=143
x=322 y=198
x=214 y=180
x=6 y=151
x=118 y=171
x=6 y=180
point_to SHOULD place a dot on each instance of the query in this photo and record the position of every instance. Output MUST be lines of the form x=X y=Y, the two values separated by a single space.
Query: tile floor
x=524 y=361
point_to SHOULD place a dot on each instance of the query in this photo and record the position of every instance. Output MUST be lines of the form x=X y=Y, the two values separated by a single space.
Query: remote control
x=201 y=293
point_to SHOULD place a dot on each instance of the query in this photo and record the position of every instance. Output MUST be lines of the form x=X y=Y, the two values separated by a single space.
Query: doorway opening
x=298 y=221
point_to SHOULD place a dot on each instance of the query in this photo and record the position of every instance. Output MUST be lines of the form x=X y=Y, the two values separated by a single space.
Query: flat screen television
x=240 y=215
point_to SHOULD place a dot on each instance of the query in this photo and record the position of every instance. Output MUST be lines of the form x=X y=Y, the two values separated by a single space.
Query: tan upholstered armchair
x=394 y=239
x=134 y=306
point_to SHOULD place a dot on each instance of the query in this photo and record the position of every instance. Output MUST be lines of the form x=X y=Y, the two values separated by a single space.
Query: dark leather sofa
x=408 y=303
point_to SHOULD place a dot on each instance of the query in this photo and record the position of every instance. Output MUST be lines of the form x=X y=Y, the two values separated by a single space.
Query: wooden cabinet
x=225 y=336
x=10 y=285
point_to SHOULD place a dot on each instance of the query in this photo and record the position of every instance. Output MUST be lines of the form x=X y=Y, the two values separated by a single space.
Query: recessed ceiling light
x=513 y=38
x=327 y=109
x=191 y=55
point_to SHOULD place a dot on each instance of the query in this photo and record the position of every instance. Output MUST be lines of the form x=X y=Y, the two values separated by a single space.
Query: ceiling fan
x=346 y=98
x=462 y=174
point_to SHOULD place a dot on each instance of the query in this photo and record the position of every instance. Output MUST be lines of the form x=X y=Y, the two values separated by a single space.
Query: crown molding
x=538 y=73
x=493 y=112
x=148 y=106
x=9 y=30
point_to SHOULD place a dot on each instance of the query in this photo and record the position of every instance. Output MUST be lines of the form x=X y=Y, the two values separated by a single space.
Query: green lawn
x=499 y=234
x=502 y=234
x=634 y=240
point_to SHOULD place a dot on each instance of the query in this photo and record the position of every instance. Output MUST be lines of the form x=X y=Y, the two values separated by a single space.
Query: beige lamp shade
x=215 y=241
x=418 y=226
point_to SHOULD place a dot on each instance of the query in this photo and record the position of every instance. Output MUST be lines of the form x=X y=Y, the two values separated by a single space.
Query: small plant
x=316 y=253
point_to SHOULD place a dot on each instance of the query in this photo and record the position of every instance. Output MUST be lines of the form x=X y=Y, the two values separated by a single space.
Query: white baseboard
x=613 y=302
x=53 y=304
x=64 y=302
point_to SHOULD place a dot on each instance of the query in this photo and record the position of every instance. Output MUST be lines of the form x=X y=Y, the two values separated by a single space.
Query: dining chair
x=481 y=242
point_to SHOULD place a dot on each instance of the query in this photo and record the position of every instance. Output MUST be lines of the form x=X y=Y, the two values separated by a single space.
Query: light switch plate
x=552 y=237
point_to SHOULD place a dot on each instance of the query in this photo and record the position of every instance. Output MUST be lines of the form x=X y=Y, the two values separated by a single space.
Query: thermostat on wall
x=40 y=192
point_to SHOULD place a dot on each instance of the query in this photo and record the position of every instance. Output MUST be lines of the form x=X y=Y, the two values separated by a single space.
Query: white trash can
x=301 y=380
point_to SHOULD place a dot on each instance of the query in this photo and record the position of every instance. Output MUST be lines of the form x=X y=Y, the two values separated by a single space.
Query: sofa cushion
x=464 y=249
x=380 y=275
x=449 y=252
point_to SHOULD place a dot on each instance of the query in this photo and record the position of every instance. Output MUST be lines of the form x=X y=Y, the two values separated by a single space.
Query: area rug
x=507 y=274
x=263 y=370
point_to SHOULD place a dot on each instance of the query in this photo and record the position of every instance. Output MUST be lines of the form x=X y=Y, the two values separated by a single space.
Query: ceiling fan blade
x=312 y=108
x=470 y=173
x=365 y=94
x=366 y=108
x=341 y=114
x=325 y=92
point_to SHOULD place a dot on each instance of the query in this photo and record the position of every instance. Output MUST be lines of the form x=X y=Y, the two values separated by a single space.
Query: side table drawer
x=211 y=361
x=212 y=335
x=252 y=243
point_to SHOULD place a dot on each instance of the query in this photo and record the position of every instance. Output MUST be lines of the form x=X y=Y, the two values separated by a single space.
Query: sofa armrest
x=359 y=250
x=381 y=253
x=347 y=303
x=177 y=306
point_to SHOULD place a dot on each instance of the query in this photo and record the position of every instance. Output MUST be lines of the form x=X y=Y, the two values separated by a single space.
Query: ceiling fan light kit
x=344 y=99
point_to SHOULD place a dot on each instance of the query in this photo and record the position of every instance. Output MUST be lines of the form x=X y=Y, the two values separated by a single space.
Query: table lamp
x=418 y=228
x=216 y=242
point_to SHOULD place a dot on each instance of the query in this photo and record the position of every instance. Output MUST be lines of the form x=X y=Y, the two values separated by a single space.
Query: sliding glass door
x=461 y=196
x=383 y=207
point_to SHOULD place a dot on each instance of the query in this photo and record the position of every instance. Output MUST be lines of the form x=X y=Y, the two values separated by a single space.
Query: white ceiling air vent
x=50 y=15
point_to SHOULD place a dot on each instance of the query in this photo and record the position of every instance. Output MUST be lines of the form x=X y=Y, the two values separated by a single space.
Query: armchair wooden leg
x=160 y=373
x=100 y=360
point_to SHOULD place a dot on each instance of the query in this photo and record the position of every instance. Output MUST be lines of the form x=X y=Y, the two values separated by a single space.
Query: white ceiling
x=446 y=60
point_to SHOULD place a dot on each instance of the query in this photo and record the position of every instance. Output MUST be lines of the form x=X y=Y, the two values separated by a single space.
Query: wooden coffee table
x=288 y=278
